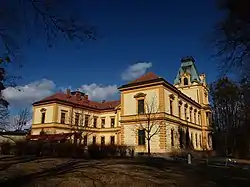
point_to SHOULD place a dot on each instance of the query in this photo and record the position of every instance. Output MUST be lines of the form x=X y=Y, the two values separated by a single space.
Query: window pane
x=94 y=140
x=77 y=119
x=112 y=122
x=85 y=140
x=141 y=106
x=95 y=122
x=102 y=140
x=112 y=140
x=43 y=118
x=141 y=137
x=63 y=117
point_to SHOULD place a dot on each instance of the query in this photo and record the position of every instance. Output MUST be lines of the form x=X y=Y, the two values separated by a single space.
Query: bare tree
x=22 y=119
x=149 y=121
x=231 y=36
x=82 y=122
x=4 y=118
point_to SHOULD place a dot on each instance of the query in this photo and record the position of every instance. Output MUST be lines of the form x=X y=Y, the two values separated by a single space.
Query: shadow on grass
x=140 y=169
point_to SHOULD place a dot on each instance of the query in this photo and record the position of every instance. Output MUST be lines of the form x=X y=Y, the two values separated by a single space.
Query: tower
x=194 y=85
x=190 y=82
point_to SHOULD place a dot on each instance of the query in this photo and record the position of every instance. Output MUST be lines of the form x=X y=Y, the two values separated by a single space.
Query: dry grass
x=55 y=172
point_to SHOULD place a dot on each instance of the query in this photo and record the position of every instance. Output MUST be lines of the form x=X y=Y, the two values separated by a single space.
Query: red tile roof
x=82 y=102
x=146 y=77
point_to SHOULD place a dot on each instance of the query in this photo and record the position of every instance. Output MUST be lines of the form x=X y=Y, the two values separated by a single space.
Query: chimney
x=78 y=95
x=86 y=97
x=68 y=93
x=103 y=101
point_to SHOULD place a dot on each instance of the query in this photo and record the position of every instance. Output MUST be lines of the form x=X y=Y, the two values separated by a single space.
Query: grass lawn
x=60 y=172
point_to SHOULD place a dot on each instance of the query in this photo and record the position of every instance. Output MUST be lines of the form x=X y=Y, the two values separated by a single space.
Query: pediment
x=140 y=95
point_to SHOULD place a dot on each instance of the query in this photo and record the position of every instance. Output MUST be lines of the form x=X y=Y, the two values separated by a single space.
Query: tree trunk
x=149 y=147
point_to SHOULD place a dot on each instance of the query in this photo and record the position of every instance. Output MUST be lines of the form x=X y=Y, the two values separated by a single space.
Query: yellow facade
x=172 y=108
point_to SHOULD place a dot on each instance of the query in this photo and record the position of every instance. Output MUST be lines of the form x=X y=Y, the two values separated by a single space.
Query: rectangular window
x=112 y=122
x=179 y=108
x=171 y=107
x=185 y=113
x=199 y=119
x=86 y=122
x=94 y=140
x=172 y=137
x=77 y=117
x=95 y=122
x=190 y=115
x=195 y=115
x=141 y=106
x=112 y=140
x=43 y=118
x=141 y=137
x=200 y=141
x=85 y=140
x=103 y=122
x=63 y=116
x=103 y=140
x=196 y=140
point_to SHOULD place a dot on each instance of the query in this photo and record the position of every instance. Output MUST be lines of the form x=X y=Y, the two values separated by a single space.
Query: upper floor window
x=63 y=117
x=199 y=118
x=112 y=122
x=179 y=110
x=185 y=81
x=77 y=117
x=94 y=140
x=95 y=122
x=185 y=113
x=43 y=117
x=190 y=114
x=141 y=137
x=195 y=116
x=171 y=106
x=103 y=122
x=141 y=106
x=86 y=122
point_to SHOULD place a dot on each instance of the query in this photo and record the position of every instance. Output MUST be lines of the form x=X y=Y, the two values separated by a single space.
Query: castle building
x=150 y=111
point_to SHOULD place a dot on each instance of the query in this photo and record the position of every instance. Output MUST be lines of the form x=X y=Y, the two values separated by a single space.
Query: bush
x=6 y=148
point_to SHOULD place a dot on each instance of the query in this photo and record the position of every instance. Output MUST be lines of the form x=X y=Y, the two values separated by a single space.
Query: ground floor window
x=94 y=140
x=172 y=137
x=112 y=140
x=141 y=137
x=85 y=140
x=103 y=140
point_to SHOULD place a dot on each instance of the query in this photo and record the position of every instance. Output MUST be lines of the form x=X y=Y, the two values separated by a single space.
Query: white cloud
x=99 y=92
x=136 y=70
x=21 y=96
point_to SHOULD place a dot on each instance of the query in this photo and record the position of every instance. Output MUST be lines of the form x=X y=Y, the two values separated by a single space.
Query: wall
x=37 y=115
x=130 y=103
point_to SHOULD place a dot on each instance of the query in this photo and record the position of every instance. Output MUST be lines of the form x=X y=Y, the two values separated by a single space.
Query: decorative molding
x=43 y=110
x=172 y=96
x=140 y=95
x=195 y=110
x=186 y=105
x=180 y=102
x=191 y=108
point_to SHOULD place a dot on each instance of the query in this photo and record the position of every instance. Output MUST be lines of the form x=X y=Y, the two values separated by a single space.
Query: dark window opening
x=141 y=137
x=63 y=116
x=112 y=140
x=103 y=140
x=141 y=106
x=43 y=118
x=94 y=140
x=85 y=140
x=77 y=116
x=171 y=107
x=86 y=122
x=172 y=137
x=103 y=123
x=95 y=122
x=185 y=81
x=112 y=122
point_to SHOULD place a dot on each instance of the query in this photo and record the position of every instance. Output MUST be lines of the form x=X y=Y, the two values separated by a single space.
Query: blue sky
x=159 y=32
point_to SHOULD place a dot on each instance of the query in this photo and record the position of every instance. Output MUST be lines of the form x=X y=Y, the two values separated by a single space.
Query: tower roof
x=187 y=66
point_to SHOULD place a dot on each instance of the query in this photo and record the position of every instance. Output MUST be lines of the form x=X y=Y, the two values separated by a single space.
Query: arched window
x=185 y=81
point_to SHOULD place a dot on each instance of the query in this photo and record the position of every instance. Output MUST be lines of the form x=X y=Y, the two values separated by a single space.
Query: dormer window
x=185 y=81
